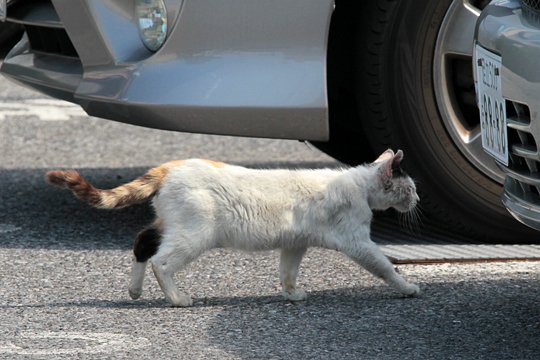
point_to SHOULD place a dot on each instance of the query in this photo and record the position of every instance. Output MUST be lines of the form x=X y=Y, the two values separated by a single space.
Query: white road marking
x=43 y=109
x=57 y=343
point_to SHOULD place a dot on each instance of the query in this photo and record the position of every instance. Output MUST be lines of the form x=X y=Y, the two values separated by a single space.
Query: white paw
x=181 y=301
x=135 y=293
x=295 y=295
x=411 y=290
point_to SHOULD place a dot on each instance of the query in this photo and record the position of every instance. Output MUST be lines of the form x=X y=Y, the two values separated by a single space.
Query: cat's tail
x=134 y=192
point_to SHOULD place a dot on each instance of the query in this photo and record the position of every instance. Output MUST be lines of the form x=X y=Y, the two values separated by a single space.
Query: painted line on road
x=66 y=343
x=43 y=109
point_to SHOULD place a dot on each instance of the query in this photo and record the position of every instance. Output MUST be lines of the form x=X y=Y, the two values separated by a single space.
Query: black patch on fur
x=146 y=244
x=398 y=172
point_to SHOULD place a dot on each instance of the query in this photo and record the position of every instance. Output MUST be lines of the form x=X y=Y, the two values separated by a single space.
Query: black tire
x=348 y=142
x=10 y=34
x=397 y=105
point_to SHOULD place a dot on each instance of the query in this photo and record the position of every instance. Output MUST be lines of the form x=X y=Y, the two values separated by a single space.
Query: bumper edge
x=521 y=210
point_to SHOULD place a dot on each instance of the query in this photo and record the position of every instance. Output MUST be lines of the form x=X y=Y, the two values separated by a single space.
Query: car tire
x=10 y=34
x=399 y=108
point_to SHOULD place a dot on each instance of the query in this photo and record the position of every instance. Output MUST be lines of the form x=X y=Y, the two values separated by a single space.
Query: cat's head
x=394 y=188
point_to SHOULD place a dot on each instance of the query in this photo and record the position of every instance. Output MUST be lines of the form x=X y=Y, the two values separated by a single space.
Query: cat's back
x=200 y=174
x=242 y=204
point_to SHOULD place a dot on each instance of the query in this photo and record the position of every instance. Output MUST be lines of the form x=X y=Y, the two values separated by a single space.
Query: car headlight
x=152 y=20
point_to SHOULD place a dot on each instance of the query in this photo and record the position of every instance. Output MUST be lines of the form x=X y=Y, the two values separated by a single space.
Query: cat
x=203 y=204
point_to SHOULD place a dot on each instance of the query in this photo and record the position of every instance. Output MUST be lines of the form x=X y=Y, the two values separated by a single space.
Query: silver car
x=352 y=77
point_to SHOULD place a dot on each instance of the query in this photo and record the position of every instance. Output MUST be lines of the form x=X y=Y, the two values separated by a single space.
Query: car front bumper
x=513 y=32
x=237 y=67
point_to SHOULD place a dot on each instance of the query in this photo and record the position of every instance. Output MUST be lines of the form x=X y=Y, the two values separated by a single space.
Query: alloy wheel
x=454 y=84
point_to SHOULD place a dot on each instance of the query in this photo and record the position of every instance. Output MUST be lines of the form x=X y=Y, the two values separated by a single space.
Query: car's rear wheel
x=415 y=91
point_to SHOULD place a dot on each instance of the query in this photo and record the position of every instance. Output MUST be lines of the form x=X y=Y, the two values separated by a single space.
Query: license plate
x=491 y=104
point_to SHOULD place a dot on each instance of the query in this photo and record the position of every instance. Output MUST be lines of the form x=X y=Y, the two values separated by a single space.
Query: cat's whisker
x=404 y=221
x=419 y=217
x=411 y=221
x=414 y=222
x=419 y=213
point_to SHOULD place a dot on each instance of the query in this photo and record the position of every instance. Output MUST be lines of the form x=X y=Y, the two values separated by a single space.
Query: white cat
x=202 y=204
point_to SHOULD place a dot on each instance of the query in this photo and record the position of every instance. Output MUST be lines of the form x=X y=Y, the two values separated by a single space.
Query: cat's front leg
x=288 y=272
x=367 y=254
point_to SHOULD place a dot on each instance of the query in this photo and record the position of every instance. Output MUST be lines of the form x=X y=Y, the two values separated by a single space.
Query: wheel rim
x=454 y=85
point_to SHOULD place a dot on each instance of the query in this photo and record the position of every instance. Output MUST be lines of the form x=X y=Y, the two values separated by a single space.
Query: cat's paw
x=410 y=290
x=135 y=293
x=295 y=295
x=181 y=301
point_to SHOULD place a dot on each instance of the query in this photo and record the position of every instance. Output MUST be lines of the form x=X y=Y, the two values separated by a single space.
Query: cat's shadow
x=339 y=297
x=357 y=322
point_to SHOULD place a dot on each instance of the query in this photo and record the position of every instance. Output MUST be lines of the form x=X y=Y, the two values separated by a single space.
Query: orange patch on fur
x=216 y=164
x=162 y=170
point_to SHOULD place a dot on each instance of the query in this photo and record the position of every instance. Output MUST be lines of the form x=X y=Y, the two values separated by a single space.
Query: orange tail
x=134 y=192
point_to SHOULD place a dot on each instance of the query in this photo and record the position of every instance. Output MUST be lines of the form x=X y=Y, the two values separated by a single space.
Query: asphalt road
x=64 y=267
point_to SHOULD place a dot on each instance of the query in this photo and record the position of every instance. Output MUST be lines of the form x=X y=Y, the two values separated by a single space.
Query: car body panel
x=237 y=67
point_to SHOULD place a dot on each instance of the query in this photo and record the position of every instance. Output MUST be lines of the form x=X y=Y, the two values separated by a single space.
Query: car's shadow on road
x=34 y=214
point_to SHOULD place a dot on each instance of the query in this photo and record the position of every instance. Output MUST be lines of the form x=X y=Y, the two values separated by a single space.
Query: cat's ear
x=384 y=167
x=386 y=162
x=388 y=154
x=398 y=157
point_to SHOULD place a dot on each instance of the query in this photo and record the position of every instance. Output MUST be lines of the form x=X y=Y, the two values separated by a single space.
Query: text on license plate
x=491 y=104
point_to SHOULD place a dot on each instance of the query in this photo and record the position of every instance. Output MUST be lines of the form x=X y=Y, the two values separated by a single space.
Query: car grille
x=50 y=40
x=531 y=4
x=531 y=10
x=523 y=169
x=43 y=26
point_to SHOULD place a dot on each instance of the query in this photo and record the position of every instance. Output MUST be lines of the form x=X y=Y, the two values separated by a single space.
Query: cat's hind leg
x=288 y=271
x=145 y=246
x=165 y=279
x=138 y=270
x=168 y=260
x=367 y=254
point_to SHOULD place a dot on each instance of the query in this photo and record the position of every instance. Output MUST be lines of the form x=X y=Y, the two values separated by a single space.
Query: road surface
x=64 y=267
